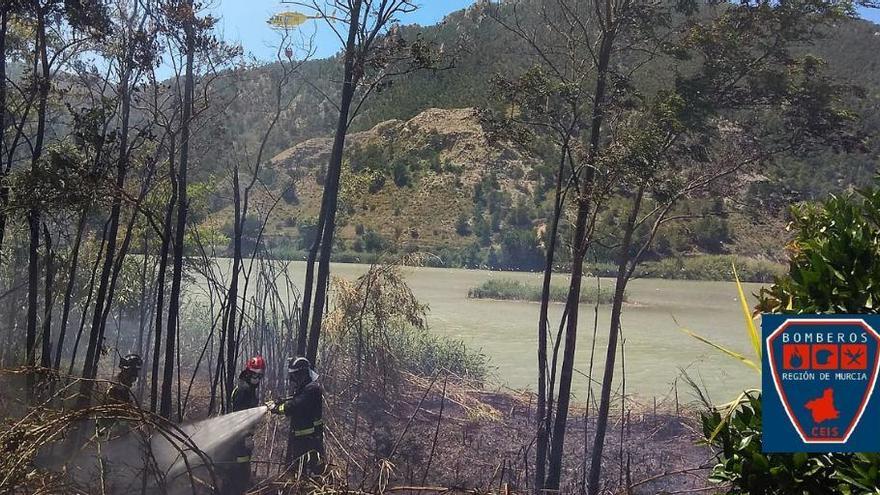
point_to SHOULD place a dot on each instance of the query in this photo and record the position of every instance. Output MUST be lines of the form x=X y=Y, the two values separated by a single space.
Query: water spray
x=174 y=457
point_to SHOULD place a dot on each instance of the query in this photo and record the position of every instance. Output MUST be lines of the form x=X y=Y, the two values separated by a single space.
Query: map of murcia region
x=823 y=408
x=819 y=377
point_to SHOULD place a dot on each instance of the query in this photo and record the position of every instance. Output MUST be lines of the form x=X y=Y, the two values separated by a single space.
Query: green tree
x=308 y=231
x=462 y=225
x=402 y=174
x=374 y=242
x=520 y=251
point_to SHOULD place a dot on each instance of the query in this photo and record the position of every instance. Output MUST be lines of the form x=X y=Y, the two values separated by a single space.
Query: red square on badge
x=854 y=356
x=824 y=357
x=795 y=356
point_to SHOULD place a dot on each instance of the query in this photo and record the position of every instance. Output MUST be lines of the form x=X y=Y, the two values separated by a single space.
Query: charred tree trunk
x=543 y=415
x=579 y=251
x=104 y=295
x=41 y=67
x=4 y=192
x=33 y=282
x=302 y=335
x=93 y=276
x=232 y=303
x=71 y=286
x=331 y=190
x=180 y=228
x=142 y=304
x=613 y=334
x=572 y=306
x=160 y=279
x=46 y=356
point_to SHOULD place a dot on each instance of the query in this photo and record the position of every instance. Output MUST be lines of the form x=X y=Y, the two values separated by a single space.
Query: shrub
x=741 y=463
x=509 y=289
x=376 y=184
x=401 y=173
x=373 y=241
x=289 y=195
x=435 y=165
x=835 y=264
x=462 y=226
x=834 y=268
x=424 y=353
x=520 y=215
x=520 y=251
x=379 y=322
x=308 y=230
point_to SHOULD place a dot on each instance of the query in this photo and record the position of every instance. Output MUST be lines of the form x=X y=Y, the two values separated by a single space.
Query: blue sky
x=244 y=21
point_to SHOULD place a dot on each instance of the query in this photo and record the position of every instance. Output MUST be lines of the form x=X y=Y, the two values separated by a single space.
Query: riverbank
x=710 y=268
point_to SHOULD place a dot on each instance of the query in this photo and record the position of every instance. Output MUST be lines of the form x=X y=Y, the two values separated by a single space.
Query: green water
x=656 y=351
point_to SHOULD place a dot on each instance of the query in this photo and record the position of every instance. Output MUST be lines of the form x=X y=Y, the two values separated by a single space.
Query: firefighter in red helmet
x=244 y=396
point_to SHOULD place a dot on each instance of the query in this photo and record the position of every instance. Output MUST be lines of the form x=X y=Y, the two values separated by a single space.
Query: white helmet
x=295 y=365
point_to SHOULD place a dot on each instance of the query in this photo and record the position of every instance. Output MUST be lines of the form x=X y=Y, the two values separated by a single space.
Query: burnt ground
x=482 y=440
x=462 y=437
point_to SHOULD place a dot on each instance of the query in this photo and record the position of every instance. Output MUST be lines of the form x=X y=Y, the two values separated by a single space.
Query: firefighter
x=119 y=393
x=304 y=408
x=129 y=369
x=244 y=396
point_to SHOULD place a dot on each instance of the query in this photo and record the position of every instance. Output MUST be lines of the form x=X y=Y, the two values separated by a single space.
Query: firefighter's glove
x=275 y=406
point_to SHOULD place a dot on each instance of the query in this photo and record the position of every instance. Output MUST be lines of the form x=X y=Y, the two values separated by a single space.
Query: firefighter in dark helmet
x=129 y=369
x=244 y=396
x=120 y=393
x=304 y=408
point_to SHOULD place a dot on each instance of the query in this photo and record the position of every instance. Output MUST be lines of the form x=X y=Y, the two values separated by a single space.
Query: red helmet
x=256 y=364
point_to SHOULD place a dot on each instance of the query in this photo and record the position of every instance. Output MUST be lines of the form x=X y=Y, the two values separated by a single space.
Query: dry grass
x=443 y=434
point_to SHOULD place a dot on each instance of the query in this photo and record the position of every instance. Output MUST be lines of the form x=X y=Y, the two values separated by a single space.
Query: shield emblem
x=823 y=372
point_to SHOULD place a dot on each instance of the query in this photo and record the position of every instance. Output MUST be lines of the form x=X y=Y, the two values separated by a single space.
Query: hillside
x=423 y=177
x=480 y=49
x=419 y=184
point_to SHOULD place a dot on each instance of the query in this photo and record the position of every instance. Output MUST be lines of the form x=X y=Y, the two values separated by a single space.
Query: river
x=656 y=350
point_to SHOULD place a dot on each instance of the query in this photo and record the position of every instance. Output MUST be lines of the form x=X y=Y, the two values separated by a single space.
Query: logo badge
x=819 y=376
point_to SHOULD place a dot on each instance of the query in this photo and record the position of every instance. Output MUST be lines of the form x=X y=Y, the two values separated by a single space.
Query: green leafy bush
x=401 y=174
x=835 y=258
x=834 y=268
x=425 y=353
x=748 y=470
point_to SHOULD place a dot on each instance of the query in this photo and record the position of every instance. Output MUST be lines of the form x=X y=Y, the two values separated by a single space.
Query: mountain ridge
x=398 y=173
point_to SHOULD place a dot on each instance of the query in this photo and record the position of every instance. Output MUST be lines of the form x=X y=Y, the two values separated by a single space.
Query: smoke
x=153 y=460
